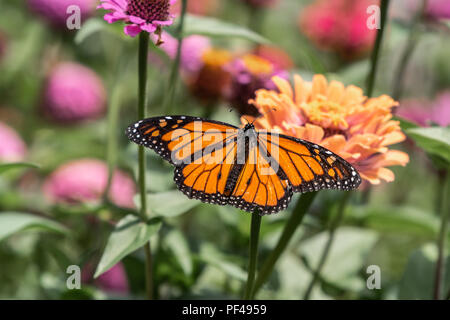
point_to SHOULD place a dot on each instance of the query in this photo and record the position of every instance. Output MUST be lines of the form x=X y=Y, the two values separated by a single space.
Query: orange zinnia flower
x=339 y=118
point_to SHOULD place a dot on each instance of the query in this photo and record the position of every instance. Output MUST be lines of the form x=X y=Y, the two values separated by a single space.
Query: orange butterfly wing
x=205 y=155
x=308 y=166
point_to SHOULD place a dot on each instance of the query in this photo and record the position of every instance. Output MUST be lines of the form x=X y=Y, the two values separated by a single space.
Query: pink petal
x=132 y=30
x=136 y=20
x=148 y=27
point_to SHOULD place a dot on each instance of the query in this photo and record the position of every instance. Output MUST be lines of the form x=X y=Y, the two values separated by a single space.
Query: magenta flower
x=424 y=113
x=114 y=280
x=192 y=50
x=339 y=26
x=55 y=11
x=250 y=73
x=85 y=180
x=73 y=93
x=139 y=15
x=12 y=147
x=438 y=9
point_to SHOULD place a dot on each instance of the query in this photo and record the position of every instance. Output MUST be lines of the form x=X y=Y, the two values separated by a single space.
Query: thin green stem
x=142 y=102
x=173 y=80
x=291 y=225
x=376 y=50
x=331 y=233
x=413 y=39
x=253 y=253
x=440 y=264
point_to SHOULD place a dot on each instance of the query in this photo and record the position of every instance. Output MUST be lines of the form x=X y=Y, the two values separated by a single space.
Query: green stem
x=331 y=233
x=291 y=225
x=173 y=80
x=440 y=264
x=142 y=102
x=376 y=50
x=408 y=50
x=253 y=253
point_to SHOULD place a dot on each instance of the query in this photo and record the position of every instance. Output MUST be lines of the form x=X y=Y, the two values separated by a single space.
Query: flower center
x=327 y=114
x=257 y=65
x=149 y=10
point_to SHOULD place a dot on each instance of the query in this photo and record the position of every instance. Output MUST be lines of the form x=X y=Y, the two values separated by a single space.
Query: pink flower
x=260 y=3
x=339 y=25
x=55 y=11
x=114 y=280
x=73 y=93
x=192 y=50
x=139 y=15
x=250 y=73
x=424 y=112
x=85 y=180
x=12 y=147
x=438 y=9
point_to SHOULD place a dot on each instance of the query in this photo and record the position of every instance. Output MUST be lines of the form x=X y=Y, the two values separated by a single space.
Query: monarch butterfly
x=219 y=163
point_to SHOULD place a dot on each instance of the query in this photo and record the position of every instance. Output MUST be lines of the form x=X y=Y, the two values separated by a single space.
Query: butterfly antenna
x=264 y=114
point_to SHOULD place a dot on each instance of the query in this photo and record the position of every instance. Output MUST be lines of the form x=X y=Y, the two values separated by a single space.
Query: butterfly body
x=247 y=168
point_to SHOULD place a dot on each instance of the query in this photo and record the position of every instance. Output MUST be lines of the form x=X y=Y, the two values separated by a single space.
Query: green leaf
x=95 y=25
x=211 y=255
x=12 y=222
x=17 y=165
x=129 y=235
x=418 y=279
x=170 y=204
x=407 y=220
x=406 y=124
x=434 y=140
x=180 y=249
x=347 y=254
x=90 y=27
x=212 y=27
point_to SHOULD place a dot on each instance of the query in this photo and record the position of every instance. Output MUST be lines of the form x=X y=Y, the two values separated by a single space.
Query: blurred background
x=66 y=97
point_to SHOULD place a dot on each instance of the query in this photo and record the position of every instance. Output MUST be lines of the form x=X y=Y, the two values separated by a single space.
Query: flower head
x=209 y=83
x=339 y=118
x=73 y=93
x=55 y=12
x=192 y=50
x=12 y=147
x=139 y=15
x=339 y=25
x=250 y=73
x=424 y=112
x=438 y=9
x=85 y=181
x=114 y=280
x=261 y=3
